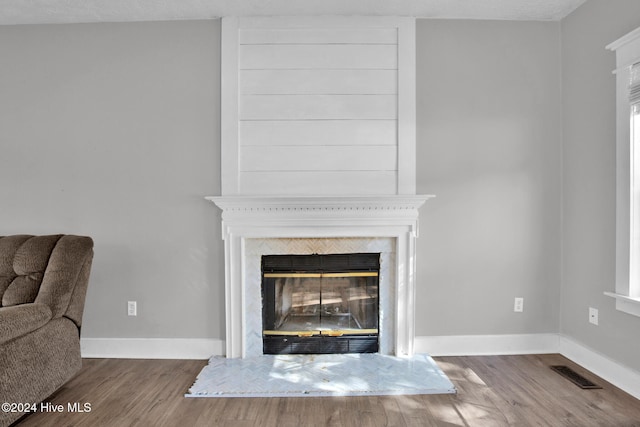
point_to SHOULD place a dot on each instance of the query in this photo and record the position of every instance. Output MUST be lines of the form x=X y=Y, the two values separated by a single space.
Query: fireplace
x=315 y=304
x=255 y=226
x=329 y=167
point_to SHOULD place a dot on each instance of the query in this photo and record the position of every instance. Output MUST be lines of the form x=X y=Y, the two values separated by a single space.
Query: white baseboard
x=619 y=375
x=477 y=345
x=151 y=348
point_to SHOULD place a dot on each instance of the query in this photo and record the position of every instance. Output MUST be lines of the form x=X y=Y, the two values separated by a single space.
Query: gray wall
x=126 y=144
x=589 y=179
x=489 y=144
x=112 y=130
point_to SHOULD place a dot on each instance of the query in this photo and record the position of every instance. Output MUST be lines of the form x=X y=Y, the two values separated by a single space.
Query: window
x=627 y=288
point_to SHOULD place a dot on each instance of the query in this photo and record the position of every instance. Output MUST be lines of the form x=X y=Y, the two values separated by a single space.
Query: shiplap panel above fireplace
x=314 y=158
x=298 y=34
x=327 y=81
x=318 y=133
x=305 y=182
x=318 y=100
x=317 y=57
x=286 y=108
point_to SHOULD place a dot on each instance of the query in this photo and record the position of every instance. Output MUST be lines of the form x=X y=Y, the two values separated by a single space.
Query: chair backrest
x=52 y=270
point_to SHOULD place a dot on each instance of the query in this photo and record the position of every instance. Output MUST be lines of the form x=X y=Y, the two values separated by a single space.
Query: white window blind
x=634 y=85
x=634 y=172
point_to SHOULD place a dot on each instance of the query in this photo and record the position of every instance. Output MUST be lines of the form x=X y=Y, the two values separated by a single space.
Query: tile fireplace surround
x=256 y=226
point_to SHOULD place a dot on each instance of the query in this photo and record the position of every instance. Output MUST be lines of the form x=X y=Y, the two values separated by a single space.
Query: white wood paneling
x=252 y=57
x=318 y=183
x=318 y=103
x=318 y=158
x=229 y=111
x=407 y=110
x=151 y=348
x=319 y=81
x=318 y=36
x=318 y=132
x=329 y=22
x=317 y=107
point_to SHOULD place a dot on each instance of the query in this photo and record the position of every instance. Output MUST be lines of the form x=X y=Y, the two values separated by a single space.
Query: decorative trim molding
x=230 y=166
x=151 y=348
x=627 y=304
x=627 y=279
x=626 y=39
x=322 y=203
x=610 y=370
x=484 y=345
x=289 y=212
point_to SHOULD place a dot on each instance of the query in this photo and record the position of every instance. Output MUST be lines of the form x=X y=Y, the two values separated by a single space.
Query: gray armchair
x=43 y=283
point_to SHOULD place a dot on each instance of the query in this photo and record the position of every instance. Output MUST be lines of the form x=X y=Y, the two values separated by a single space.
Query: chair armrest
x=18 y=320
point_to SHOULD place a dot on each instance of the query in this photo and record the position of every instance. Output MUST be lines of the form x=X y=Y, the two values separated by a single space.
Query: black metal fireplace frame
x=318 y=342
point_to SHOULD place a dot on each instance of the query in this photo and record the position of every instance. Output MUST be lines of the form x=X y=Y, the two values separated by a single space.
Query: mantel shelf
x=318 y=203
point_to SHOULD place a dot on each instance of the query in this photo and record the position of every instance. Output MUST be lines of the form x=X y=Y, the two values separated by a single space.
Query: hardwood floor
x=492 y=391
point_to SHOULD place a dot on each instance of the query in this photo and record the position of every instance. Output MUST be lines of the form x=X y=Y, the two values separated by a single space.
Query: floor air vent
x=574 y=377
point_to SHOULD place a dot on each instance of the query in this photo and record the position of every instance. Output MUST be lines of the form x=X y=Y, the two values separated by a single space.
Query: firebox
x=318 y=304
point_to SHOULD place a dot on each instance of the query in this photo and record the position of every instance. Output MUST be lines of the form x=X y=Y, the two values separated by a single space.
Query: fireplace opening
x=319 y=304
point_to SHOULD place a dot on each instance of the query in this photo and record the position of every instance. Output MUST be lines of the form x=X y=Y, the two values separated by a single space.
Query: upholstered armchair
x=43 y=283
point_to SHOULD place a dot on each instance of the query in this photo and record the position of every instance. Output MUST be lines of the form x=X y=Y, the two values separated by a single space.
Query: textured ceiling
x=71 y=11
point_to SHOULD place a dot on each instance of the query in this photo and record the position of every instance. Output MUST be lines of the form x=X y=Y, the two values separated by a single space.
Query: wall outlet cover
x=132 y=308
x=518 y=305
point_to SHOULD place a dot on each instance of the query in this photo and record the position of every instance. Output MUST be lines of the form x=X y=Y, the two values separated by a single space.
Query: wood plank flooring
x=492 y=391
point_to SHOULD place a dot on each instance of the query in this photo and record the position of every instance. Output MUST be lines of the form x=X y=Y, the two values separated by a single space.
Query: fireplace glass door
x=320 y=303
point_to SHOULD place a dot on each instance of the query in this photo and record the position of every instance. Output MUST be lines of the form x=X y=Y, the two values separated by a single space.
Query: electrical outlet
x=593 y=315
x=518 y=305
x=132 y=308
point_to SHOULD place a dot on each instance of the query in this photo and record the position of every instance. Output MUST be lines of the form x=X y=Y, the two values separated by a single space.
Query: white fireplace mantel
x=293 y=211
x=325 y=217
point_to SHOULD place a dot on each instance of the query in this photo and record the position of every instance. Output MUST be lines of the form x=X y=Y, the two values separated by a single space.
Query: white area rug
x=320 y=375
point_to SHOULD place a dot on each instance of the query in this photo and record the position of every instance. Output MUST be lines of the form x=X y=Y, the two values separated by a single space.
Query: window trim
x=627 y=284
